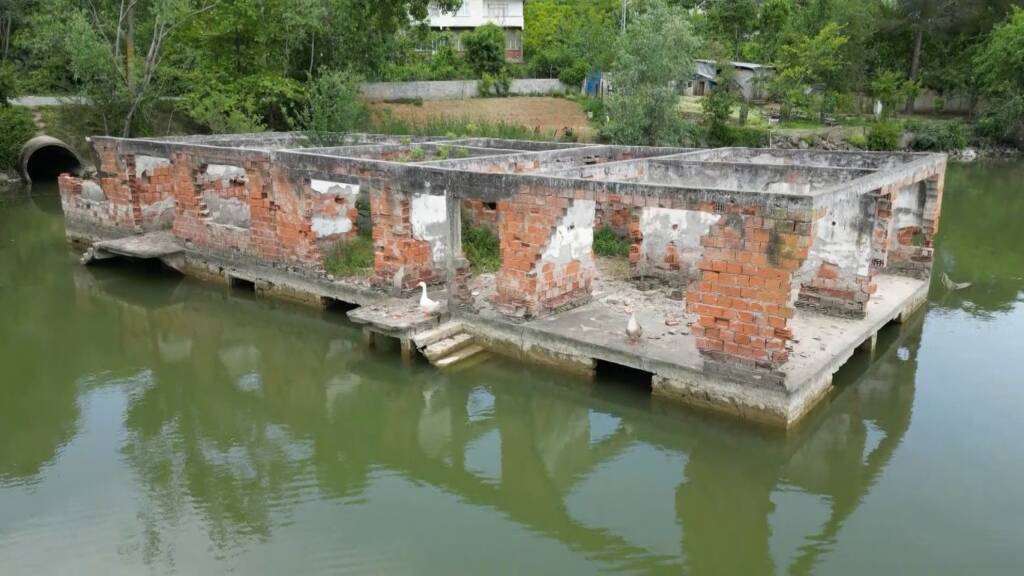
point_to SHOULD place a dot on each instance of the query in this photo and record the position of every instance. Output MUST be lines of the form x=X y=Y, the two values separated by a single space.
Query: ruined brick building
x=788 y=260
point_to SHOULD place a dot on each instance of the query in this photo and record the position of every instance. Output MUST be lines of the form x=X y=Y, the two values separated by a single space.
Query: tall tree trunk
x=129 y=46
x=915 y=66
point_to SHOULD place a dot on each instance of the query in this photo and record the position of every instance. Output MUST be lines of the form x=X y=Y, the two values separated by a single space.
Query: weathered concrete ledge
x=786 y=261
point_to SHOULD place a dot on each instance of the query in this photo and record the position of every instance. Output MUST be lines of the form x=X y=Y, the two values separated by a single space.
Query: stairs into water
x=449 y=345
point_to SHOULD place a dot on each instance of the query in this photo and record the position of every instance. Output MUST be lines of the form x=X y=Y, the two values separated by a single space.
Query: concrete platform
x=596 y=332
x=395 y=318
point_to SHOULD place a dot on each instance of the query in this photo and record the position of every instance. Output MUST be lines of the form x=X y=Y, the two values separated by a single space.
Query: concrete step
x=447 y=346
x=428 y=337
x=469 y=363
x=459 y=356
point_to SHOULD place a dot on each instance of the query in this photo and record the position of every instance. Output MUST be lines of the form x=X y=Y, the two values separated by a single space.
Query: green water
x=150 y=424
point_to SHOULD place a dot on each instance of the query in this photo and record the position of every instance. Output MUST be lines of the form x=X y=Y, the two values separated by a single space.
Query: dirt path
x=538 y=112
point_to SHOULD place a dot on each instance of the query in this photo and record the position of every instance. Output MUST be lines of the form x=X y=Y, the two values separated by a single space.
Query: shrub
x=16 y=128
x=350 y=257
x=938 y=135
x=609 y=243
x=485 y=49
x=574 y=75
x=481 y=248
x=333 y=106
x=858 y=140
x=884 y=136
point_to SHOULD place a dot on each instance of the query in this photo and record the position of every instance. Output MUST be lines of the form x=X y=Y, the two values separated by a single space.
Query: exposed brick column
x=528 y=285
x=911 y=248
x=112 y=173
x=743 y=297
x=400 y=260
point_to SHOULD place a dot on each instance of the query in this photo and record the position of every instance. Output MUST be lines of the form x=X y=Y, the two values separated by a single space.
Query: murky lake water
x=154 y=424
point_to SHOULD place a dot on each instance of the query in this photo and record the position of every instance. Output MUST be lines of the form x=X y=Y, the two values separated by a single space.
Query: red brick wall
x=743 y=297
x=527 y=286
x=400 y=260
x=480 y=213
x=614 y=214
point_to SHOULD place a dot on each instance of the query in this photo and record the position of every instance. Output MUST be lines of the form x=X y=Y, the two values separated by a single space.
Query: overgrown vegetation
x=246 y=65
x=16 y=128
x=481 y=247
x=884 y=136
x=333 y=106
x=351 y=257
x=937 y=135
x=607 y=242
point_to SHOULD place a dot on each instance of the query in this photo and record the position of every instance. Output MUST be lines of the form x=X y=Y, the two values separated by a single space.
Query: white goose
x=426 y=304
x=633 y=328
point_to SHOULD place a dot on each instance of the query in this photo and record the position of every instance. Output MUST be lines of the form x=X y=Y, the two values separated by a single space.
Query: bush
x=495 y=84
x=333 y=106
x=16 y=128
x=858 y=140
x=481 y=248
x=884 y=136
x=938 y=136
x=485 y=49
x=608 y=243
x=574 y=75
x=720 y=134
x=350 y=257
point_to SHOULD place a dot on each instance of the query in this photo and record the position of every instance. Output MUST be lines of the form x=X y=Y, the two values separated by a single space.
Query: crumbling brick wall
x=481 y=213
x=914 y=224
x=743 y=299
x=401 y=259
x=546 y=262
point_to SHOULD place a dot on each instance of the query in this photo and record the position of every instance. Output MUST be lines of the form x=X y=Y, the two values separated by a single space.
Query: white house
x=475 y=13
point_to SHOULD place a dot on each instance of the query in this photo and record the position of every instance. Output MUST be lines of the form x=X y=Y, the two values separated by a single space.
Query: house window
x=497 y=9
x=513 y=40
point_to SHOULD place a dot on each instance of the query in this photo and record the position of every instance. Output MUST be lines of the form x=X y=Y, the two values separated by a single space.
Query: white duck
x=426 y=304
x=633 y=328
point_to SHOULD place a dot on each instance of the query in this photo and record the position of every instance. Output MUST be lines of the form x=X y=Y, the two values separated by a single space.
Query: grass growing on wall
x=608 y=243
x=350 y=257
x=481 y=248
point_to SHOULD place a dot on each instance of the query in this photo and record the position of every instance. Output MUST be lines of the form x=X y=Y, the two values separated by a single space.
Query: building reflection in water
x=247 y=408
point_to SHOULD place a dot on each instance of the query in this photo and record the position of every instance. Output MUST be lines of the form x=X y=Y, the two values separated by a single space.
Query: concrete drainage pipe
x=45 y=157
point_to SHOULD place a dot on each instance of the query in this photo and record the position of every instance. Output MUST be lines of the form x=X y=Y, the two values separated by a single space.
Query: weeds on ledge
x=481 y=248
x=608 y=243
x=350 y=257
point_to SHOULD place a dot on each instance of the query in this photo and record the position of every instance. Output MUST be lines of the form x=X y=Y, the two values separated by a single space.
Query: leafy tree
x=891 y=88
x=655 y=51
x=570 y=37
x=485 y=49
x=1000 y=67
x=813 y=63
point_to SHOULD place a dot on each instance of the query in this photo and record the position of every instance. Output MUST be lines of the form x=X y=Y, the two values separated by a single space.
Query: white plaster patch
x=839 y=240
x=159 y=214
x=788 y=188
x=144 y=165
x=225 y=172
x=574 y=236
x=907 y=206
x=684 y=228
x=336 y=188
x=92 y=191
x=429 y=219
x=324 y=226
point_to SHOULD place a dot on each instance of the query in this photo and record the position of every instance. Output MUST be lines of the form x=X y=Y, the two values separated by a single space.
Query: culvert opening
x=242 y=285
x=335 y=305
x=623 y=376
x=44 y=158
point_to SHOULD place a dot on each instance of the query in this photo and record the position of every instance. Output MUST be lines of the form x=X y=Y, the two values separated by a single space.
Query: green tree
x=485 y=49
x=655 y=51
x=1000 y=67
x=813 y=63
